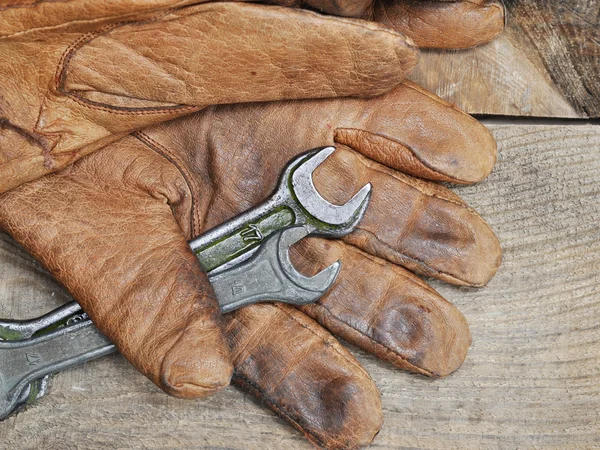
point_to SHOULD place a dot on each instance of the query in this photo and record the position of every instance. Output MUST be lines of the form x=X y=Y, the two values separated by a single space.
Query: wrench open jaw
x=30 y=351
x=345 y=216
x=270 y=274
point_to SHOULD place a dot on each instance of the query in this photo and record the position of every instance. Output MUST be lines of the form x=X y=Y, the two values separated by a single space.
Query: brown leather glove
x=113 y=228
x=78 y=75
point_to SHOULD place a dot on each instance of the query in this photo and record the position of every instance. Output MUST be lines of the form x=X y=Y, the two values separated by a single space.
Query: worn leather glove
x=80 y=74
x=113 y=228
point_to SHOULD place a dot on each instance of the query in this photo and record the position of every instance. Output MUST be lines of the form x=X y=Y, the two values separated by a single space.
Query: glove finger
x=304 y=375
x=115 y=245
x=385 y=310
x=416 y=132
x=420 y=225
x=275 y=53
x=443 y=24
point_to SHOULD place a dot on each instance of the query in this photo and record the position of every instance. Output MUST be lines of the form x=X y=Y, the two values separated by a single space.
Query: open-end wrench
x=295 y=202
x=66 y=337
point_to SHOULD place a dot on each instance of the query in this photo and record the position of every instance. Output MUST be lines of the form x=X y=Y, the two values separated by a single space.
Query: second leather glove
x=78 y=75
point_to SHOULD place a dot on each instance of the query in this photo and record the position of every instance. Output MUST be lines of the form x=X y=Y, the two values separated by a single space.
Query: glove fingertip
x=445 y=24
x=198 y=365
x=300 y=372
x=418 y=133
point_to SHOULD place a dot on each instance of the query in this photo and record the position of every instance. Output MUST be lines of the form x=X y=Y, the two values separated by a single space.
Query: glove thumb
x=104 y=228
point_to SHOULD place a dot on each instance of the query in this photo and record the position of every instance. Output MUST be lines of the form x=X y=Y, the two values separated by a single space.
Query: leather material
x=81 y=74
x=113 y=228
x=76 y=85
x=427 y=22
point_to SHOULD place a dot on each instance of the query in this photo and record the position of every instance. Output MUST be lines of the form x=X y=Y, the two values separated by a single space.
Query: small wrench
x=66 y=337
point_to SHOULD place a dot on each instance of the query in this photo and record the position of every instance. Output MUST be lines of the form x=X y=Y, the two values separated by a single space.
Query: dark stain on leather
x=405 y=330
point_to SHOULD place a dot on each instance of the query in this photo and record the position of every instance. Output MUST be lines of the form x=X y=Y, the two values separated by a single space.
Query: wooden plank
x=531 y=379
x=546 y=64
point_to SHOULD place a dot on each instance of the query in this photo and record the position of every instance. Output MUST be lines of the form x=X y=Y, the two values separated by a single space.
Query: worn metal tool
x=295 y=202
x=65 y=337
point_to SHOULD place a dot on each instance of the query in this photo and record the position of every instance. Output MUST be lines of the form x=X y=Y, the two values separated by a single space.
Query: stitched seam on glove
x=342 y=355
x=447 y=177
x=31 y=137
x=417 y=260
x=128 y=111
x=63 y=64
x=384 y=348
x=406 y=179
x=164 y=152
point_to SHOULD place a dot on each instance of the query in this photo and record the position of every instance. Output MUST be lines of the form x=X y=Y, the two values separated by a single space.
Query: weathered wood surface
x=546 y=64
x=531 y=380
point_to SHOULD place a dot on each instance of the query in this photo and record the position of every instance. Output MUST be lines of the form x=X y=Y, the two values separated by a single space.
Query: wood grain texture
x=531 y=379
x=546 y=64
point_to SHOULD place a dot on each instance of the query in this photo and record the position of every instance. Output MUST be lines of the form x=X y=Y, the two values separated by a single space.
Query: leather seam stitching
x=296 y=422
x=64 y=61
x=382 y=346
x=176 y=161
x=342 y=355
x=416 y=187
x=412 y=258
x=408 y=147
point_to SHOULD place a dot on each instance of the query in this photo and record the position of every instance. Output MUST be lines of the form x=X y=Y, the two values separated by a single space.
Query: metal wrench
x=26 y=363
x=295 y=202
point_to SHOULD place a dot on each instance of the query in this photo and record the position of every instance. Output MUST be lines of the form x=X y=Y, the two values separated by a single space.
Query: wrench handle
x=12 y=330
x=238 y=236
x=27 y=360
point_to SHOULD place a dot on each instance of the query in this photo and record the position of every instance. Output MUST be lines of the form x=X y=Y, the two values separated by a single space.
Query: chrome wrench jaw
x=25 y=362
x=295 y=202
x=14 y=330
x=343 y=217
x=270 y=275
x=319 y=283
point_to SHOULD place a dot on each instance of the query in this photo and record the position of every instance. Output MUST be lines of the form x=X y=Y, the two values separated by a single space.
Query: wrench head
x=12 y=330
x=336 y=220
x=304 y=289
x=270 y=276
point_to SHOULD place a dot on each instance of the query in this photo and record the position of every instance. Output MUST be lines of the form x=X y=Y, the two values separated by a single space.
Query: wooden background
x=532 y=377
